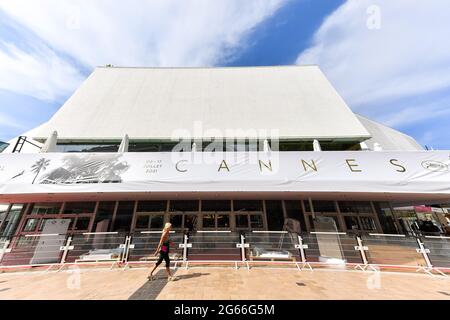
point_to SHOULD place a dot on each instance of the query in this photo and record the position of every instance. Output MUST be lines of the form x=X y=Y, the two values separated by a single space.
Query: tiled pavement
x=222 y=284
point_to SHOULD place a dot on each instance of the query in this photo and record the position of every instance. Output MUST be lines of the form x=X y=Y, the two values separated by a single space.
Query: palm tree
x=40 y=165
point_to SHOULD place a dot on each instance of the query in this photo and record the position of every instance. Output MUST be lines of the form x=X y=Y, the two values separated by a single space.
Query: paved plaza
x=221 y=284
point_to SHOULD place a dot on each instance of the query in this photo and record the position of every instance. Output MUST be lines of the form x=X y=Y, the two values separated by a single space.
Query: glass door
x=216 y=220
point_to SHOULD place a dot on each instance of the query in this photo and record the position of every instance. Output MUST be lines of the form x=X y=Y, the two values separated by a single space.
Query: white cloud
x=40 y=74
x=142 y=32
x=407 y=57
x=54 y=42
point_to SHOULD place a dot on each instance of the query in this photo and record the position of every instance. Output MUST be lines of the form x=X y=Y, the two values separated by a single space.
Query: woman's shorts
x=163 y=256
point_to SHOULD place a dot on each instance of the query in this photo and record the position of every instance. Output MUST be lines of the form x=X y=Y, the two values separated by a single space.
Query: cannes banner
x=396 y=172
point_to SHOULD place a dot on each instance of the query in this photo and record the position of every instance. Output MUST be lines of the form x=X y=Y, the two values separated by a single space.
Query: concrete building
x=127 y=152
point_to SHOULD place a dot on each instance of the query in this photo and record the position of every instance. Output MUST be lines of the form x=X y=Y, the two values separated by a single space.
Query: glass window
x=124 y=216
x=30 y=225
x=3 y=146
x=209 y=221
x=184 y=205
x=79 y=207
x=339 y=145
x=351 y=223
x=256 y=221
x=367 y=223
x=12 y=220
x=142 y=222
x=45 y=208
x=82 y=224
x=176 y=220
x=168 y=147
x=152 y=206
x=385 y=217
x=355 y=207
x=143 y=147
x=275 y=216
x=294 y=211
x=294 y=146
x=104 y=216
x=216 y=205
x=223 y=221
x=247 y=205
x=241 y=221
x=3 y=210
x=108 y=147
x=324 y=206
x=157 y=222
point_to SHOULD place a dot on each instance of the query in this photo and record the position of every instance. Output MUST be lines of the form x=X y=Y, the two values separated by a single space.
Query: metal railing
x=271 y=247
x=331 y=249
x=438 y=251
x=214 y=247
x=32 y=250
x=142 y=247
x=393 y=251
x=307 y=250
x=103 y=247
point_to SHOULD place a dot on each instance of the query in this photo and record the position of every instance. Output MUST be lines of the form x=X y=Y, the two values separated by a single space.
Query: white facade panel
x=153 y=103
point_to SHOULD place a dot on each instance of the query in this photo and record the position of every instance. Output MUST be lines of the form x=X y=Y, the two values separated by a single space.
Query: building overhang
x=421 y=176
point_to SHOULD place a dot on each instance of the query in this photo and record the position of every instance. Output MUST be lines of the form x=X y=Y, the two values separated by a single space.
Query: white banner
x=387 y=172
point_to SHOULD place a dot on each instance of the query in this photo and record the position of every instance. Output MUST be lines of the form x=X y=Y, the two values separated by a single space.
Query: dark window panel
x=44 y=208
x=157 y=222
x=355 y=207
x=79 y=207
x=184 y=205
x=152 y=206
x=275 y=217
x=124 y=216
x=247 y=205
x=216 y=205
x=82 y=224
x=242 y=221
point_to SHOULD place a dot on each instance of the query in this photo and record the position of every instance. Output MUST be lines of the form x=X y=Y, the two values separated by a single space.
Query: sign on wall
x=397 y=172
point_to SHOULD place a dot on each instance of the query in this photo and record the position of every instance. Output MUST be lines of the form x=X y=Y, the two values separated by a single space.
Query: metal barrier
x=330 y=249
x=214 y=247
x=259 y=248
x=103 y=247
x=394 y=251
x=438 y=251
x=32 y=250
x=143 y=246
x=271 y=247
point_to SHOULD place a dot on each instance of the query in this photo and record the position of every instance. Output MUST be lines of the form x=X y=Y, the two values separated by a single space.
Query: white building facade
x=241 y=149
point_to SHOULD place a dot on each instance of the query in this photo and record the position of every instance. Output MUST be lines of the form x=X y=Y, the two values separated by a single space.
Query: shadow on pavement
x=151 y=289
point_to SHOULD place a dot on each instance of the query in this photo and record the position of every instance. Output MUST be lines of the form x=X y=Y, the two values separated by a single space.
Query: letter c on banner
x=178 y=168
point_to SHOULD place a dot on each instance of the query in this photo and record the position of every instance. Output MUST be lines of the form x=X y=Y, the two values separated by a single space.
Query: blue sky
x=390 y=60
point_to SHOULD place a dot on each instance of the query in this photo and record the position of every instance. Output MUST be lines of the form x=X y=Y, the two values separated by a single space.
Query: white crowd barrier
x=250 y=249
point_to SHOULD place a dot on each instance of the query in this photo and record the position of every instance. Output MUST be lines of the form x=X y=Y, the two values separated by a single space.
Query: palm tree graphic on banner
x=40 y=165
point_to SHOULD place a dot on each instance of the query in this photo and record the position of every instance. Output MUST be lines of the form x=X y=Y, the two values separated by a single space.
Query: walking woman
x=163 y=251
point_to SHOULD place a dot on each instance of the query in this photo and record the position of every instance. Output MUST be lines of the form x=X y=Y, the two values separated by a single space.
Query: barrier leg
x=3 y=250
x=362 y=250
x=65 y=250
x=301 y=247
x=429 y=267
